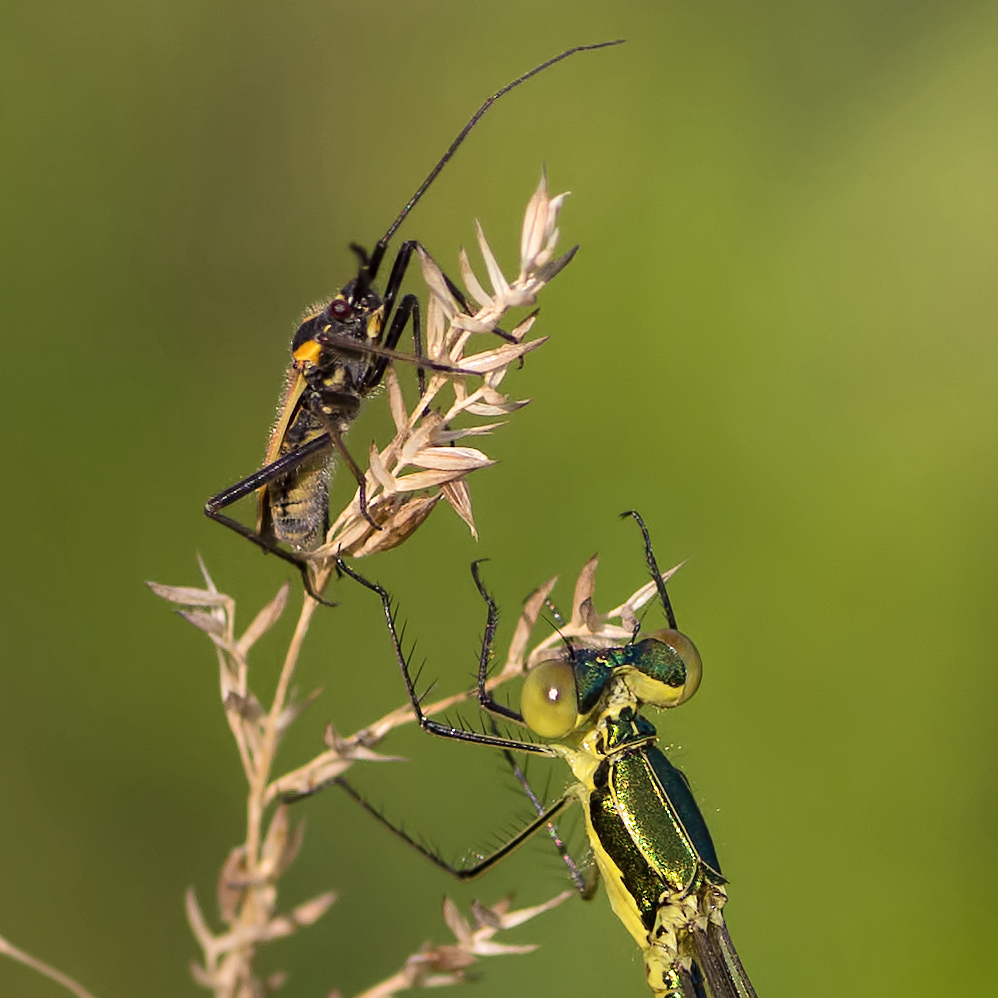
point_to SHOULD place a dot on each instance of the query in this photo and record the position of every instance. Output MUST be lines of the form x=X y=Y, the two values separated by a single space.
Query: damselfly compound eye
x=679 y=649
x=548 y=701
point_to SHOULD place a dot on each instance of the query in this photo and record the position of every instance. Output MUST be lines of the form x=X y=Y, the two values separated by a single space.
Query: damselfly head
x=662 y=669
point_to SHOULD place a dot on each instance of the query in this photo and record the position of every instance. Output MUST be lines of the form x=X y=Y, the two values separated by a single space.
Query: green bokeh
x=778 y=342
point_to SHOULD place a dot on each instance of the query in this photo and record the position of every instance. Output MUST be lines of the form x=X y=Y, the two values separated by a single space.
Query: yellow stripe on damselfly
x=648 y=837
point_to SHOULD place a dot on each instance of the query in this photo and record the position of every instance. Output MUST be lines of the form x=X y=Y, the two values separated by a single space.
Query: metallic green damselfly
x=648 y=837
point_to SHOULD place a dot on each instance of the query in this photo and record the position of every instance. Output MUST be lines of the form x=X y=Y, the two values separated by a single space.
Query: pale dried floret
x=438 y=966
x=424 y=462
x=587 y=627
x=247 y=885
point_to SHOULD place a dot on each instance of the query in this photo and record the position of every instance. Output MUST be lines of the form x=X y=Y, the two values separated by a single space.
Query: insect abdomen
x=299 y=503
x=299 y=507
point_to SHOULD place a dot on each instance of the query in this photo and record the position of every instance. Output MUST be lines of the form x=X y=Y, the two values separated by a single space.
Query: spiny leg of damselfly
x=485 y=698
x=461 y=872
x=428 y=723
x=653 y=569
x=586 y=888
x=585 y=882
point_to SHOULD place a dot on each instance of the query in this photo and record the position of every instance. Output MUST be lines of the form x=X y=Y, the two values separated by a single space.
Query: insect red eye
x=339 y=308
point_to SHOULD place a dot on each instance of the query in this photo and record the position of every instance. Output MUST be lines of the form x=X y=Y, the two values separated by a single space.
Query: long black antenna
x=382 y=245
x=653 y=567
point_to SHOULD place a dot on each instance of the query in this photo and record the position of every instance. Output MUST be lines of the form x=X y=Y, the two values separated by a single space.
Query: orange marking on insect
x=308 y=352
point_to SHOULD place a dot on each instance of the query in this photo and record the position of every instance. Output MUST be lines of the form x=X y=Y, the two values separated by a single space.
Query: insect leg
x=653 y=567
x=348 y=345
x=408 y=308
x=585 y=885
x=461 y=872
x=259 y=479
x=394 y=283
x=427 y=723
x=408 y=305
x=361 y=253
x=336 y=436
x=399 y=266
x=485 y=698
x=268 y=473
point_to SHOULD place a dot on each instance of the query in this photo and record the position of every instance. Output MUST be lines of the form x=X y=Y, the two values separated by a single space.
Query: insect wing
x=289 y=409
x=719 y=962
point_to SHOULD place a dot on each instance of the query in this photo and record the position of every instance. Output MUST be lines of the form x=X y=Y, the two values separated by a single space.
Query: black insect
x=339 y=356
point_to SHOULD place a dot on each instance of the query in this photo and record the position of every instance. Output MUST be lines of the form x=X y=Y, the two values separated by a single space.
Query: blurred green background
x=777 y=342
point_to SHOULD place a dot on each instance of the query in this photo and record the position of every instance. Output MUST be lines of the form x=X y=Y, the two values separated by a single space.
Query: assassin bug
x=339 y=356
x=651 y=845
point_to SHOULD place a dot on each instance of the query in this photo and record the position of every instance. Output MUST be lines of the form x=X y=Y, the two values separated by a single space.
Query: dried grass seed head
x=423 y=462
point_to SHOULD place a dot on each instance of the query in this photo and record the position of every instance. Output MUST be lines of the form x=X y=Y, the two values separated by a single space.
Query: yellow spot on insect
x=374 y=324
x=308 y=352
